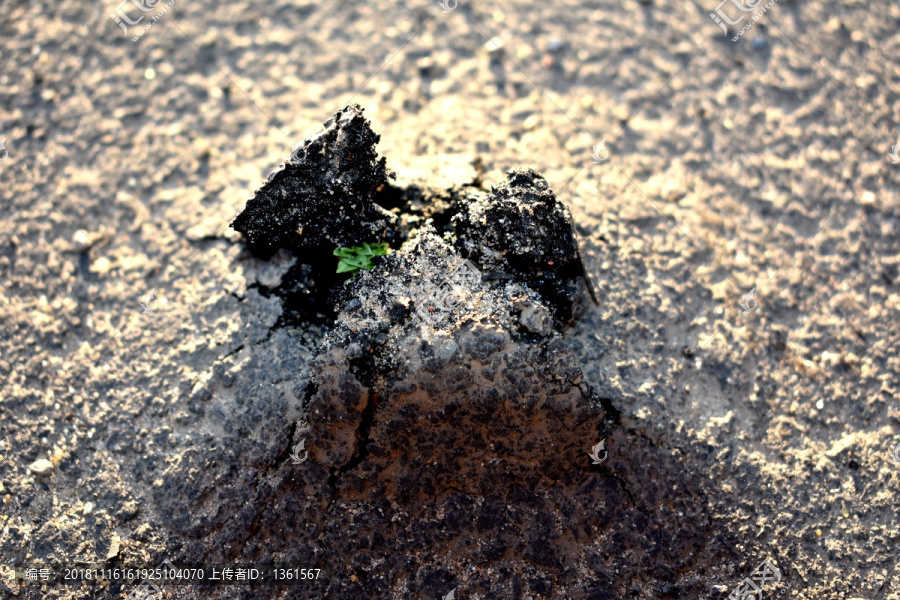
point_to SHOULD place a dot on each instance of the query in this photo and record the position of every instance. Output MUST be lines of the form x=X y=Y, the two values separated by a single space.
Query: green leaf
x=344 y=267
x=358 y=257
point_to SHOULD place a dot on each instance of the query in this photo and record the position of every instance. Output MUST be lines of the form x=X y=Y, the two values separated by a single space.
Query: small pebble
x=425 y=65
x=114 y=548
x=554 y=45
x=531 y=123
x=494 y=46
x=41 y=466
x=759 y=43
x=81 y=241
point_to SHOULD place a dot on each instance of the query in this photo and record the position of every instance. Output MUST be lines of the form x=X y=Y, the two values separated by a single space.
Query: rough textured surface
x=491 y=231
x=761 y=164
x=438 y=389
x=322 y=197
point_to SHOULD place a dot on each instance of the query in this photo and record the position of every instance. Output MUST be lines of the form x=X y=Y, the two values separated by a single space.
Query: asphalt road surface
x=736 y=203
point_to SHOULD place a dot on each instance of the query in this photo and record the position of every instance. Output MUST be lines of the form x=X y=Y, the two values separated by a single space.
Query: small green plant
x=359 y=257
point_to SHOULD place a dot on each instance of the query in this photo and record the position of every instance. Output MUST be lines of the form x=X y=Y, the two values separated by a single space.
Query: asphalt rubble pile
x=419 y=426
x=445 y=367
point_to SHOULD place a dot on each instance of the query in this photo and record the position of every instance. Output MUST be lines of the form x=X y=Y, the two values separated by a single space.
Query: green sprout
x=359 y=257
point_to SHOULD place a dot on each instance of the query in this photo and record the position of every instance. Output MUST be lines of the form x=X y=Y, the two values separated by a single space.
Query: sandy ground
x=760 y=165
